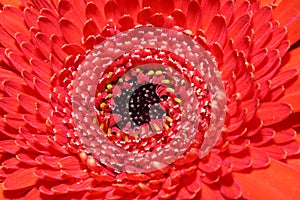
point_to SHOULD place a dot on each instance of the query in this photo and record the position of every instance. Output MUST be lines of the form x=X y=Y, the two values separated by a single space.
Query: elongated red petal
x=273 y=112
x=21 y=178
x=278 y=181
x=217 y=30
x=288 y=14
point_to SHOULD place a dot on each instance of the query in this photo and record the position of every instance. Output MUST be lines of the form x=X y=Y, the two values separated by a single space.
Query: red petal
x=72 y=10
x=45 y=190
x=43 y=43
x=21 y=178
x=239 y=163
x=49 y=26
x=126 y=22
x=29 y=103
x=11 y=163
x=34 y=121
x=244 y=85
x=166 y=6
x=291 y=61
x=12 y=23
x=226 y=10
x=70 y=162
x=265 y=2
x=30 y=50
x=286 y=135
x=27 y=158
x=84 y=185
x=79 y=174
x=9 y=105
x=294 y=162
x=240 y=8
x=60 y=189
x=217 y=30
x=157 y=20
x=33 y=194
x=55 y=174
x=282 y=78
x=258 y=57
x=73 y=49
x=261 y=16
x=291 y=148
x=292 y=96
x=275 y=152
x=210 y=164
x=194 y=185
x=259 y=158
x=144 y=15
x=70 y=31
x=111 y=10
x=263 y=137
x=9 y=146
x=92 y=12
x=273 y=112
x=288 y=14
x=90 y=28
x=51 y=161
x=292 y=93
x=230 y=188
x=239 y=28
x=209 y=9
x=209 y=193
x=130 y=7
x=278 y=181
x=18 y=61
x=261 y=36
x=278 y=35
x=16 y=3
x=183 y=193
x=193 y=15
x=237 y=146
x=31 y=16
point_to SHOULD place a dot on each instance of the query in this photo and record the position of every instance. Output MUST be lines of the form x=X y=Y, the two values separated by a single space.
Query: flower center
x=141 y=108
x=150 y=105
x=143 y=105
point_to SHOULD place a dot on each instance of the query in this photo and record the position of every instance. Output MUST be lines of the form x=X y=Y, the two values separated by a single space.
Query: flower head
x=252 y=43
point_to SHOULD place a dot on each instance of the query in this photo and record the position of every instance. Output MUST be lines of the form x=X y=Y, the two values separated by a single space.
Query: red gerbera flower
x=254 y=45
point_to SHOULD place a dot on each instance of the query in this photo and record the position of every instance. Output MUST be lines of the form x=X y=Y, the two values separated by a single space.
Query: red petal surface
x=230 y=188
x=286 y=135
x=21 y=178
x=92 y=11
x=283 y=78
x=262 y=16
x=209 y=9
x=33 y=194
x=70 y=162
x=217 y=30
x=278 y=181
x=111 y=10
x=15 y=3
x=273 y=112
x=292 y=93
x=288 y=14
x=11 y=163
x=9 y=146
x=209 y=193
x=259 y=158
x=70 y=31
x=193 y=15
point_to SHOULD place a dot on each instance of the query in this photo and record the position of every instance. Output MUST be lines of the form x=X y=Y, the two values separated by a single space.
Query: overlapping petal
x=43 y=42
